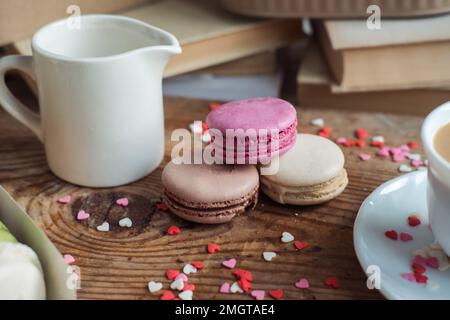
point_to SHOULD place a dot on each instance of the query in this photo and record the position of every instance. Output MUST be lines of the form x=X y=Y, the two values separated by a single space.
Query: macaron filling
x=312 y=172
x=209 y=194
x=215 y=212
x=312 y=194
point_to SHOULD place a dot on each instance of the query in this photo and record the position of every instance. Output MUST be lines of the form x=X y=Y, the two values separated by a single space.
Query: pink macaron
x=252 y=130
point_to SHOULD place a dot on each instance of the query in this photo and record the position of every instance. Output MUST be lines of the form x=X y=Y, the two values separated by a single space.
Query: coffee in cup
x=436 y=142
x=442 y=141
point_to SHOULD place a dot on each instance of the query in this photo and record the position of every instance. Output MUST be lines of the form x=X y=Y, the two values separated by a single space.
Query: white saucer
x=386 y=208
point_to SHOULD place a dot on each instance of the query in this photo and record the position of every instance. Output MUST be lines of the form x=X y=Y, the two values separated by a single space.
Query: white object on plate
x=386 y=208
x=21 y=276
x=60 y=279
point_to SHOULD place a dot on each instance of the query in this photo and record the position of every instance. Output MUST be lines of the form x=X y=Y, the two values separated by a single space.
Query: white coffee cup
x=438 y=189
x=100 y=95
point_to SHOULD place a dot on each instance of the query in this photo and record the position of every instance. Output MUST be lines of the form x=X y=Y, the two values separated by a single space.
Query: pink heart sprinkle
x=383 y=152
x=404 y=148
x=364 y=157
x=416 y=163
x=398 y=157
x=182 y=276
x=83 y=215
x=433 y=262
x=406 y=237
x=122 y=202
x=397 y=151
x=420 y=260
x=341 y=140
x=64 y=200
x=258 y=294
x=69 y=259
x=224 y=288
x=302 y=284
x=409 y=276
x=230 y=264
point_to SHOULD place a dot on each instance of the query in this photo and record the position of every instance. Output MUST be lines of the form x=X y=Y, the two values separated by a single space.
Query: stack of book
x=241 y=50
x=402 y=67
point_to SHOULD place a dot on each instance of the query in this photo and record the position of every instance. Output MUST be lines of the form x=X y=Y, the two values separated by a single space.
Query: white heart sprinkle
x=268 y=255
x=196 y=127
x=287 y=237
x=177 y=285
x=414 y=156
x=378 y=139
x=405 y=168
x=189 y=268
x=104 y=227
x=186 y=295
x=236 y=288
x=206 y=137
x=318 y=122
x=154 y=286
x=125 y=223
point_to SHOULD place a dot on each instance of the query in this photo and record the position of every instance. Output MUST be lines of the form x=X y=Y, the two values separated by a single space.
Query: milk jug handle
x=9 y=102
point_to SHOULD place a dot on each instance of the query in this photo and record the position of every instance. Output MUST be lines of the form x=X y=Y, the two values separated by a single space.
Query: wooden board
x=118 y=264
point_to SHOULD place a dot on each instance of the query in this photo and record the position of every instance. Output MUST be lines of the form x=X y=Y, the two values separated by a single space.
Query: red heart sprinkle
x=361 y=143
x=361 y=133
x=245 y=284
x=197 y=264
x=325 y=132
x=162 y=206
x=214 y=105
x=349 y=143
x=433 y=262
x=188 y=286
x=172 y=274
x=276 y=294
x=413 y=221
x=204 y=127
x=173 y=230
x=243 y=274
x=332 y=282
x=420 y=260
x=377 y=144
x=300 y=245
x=413 y=144
x=418 y=268
x=420 y=278
x=167 y=295
x=213 y=248
x=391 y=234
x=404 y=236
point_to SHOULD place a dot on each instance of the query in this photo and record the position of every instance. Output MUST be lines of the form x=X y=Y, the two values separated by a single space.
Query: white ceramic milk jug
x=101 y=110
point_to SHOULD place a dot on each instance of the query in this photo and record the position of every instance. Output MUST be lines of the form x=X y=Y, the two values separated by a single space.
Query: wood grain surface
x=118 y=264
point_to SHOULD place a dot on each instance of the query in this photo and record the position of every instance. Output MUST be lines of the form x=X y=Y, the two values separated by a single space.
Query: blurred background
x=384 y=56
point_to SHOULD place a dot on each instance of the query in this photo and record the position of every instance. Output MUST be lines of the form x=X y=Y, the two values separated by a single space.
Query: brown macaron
x=210 y=194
